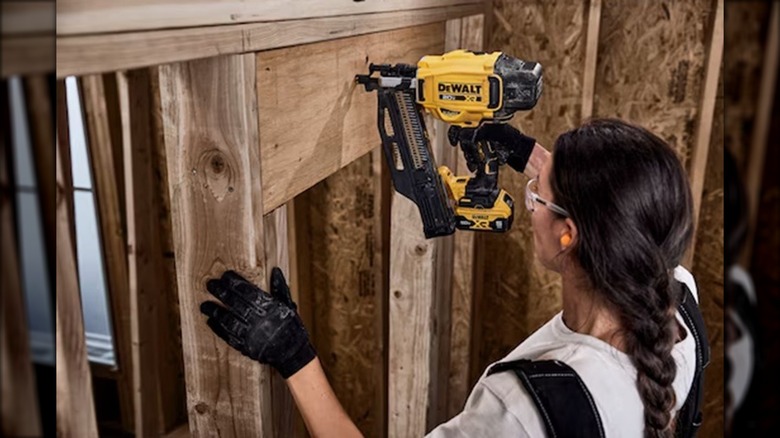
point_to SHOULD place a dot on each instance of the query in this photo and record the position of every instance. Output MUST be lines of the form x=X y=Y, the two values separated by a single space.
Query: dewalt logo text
x=460 y=88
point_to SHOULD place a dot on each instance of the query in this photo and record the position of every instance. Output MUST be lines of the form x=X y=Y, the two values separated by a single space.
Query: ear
x=568 y=234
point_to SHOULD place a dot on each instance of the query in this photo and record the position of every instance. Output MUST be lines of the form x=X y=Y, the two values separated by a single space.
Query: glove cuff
x=521 y=151
x=301 y=358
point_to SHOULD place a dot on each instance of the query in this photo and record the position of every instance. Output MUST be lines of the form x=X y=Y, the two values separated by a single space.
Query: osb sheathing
x=341 y=246
x=708 y=269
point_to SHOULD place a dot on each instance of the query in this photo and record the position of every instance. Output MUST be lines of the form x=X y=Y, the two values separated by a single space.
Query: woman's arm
x=266 y=327
x=539 y=155
x=318 y=405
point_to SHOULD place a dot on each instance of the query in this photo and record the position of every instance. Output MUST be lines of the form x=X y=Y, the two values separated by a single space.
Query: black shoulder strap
x=689 y=417
x=562 y=399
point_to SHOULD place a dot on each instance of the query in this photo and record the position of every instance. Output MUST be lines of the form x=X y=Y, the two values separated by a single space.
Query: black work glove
x=513 y=147
x=265 y=327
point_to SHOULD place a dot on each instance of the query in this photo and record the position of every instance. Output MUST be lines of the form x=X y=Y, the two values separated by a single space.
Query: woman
x=611 y=213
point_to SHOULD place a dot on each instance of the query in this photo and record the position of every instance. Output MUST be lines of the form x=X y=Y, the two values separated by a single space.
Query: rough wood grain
x=412 y=359
x=298 y=85
x=277 y=253
x=591 y=55
x=708 y=265
x=75 y=407
x=706 y=113
x=459 y=386
x=112 y=234
x=209 y=114
x=102 y=16
x=156 y=372
x=19 y=414
x=77 y=55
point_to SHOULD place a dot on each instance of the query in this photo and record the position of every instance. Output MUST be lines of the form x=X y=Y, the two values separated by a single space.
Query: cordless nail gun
x=464 y=89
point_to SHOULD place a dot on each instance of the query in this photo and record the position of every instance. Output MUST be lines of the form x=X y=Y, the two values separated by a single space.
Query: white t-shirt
x=499 y=405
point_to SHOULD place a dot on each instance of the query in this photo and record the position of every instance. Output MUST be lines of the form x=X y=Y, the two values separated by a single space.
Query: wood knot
x=216 y=173
x=397 y=293
x=421 y=249
x=201 y=408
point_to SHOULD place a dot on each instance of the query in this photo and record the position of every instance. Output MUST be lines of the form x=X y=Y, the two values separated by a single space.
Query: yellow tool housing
x=460 y=87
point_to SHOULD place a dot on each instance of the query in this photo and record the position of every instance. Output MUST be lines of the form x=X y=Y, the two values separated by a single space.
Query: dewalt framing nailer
x=466 y=90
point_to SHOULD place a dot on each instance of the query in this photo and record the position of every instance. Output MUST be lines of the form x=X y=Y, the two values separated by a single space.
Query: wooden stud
x=39 y=102
x=75 y=407
x=19 y=415
x=591 y=55
x=445 y=155
x=209 y=114
x=760 y=137
x=459 y=385
x=85 y=54
x=277 y=253
x=701 y=146
x=112 y=235
x=411 y=314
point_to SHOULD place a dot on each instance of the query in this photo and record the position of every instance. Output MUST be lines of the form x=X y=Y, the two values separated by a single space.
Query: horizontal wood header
x=104 y=16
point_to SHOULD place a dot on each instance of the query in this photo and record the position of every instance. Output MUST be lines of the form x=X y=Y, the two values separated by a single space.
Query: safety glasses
x=531 y=197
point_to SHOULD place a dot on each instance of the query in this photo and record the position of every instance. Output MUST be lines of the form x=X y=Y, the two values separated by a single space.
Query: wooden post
x=760 y=137
x=112 y=235
x=39 y=103
x=591 y=55
x=701 y=147
x=446 y=155
x=277 y=253
x=209 y=114
x=458 y=384
x=75 y=407
x=19 y=415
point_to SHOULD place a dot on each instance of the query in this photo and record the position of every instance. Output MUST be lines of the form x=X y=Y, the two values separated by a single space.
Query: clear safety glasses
x=531 y=197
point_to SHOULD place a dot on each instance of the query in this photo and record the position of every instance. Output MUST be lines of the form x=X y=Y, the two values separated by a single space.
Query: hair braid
x=651 y=337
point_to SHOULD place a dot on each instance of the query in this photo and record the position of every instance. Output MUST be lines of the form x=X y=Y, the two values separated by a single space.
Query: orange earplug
x=566 y=239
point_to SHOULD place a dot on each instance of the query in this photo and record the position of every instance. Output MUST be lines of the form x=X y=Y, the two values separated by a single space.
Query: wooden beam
x=591 y=55
x=19 y=414
x=141 y=262
x=411 y=314
x=112 y=235
x=760 y=137
x=277 y=253
x=26 y=54
x=209 y=114
x=701 y=147
x=78 y=55
x=459 y=385
x=75 y=407
x=380 y=263
x=419 y=308
x=39 y=102
x=446 y=155
x=103 y=16
x=304 y=146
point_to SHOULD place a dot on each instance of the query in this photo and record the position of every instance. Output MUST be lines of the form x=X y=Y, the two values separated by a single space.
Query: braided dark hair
x=628 y=194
